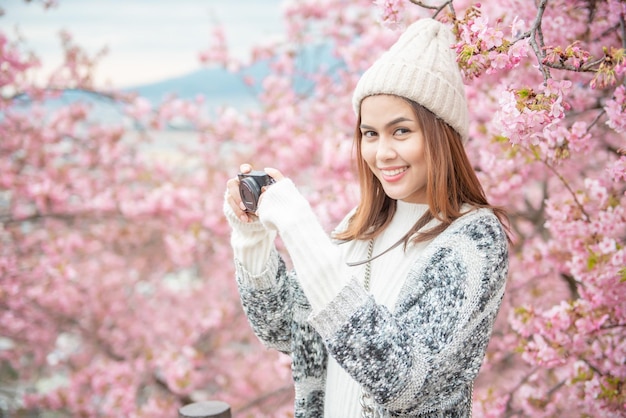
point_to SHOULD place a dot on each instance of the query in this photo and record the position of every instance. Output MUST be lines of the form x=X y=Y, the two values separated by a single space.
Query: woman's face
x=392 y=145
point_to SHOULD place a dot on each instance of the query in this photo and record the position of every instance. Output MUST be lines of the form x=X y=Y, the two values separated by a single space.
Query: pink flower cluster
x=391 y=11
x=217 y=53
x=616 y=110
x=533 y=118
x=484 y=49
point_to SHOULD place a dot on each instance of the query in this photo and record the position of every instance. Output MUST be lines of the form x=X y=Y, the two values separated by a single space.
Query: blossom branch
x=561 y=178
x=572 y=285
x=437 y=9
x=535 y=35
x=612 y=326
x=592 y=367
x=279 y=392
x=531 y=373
x=70 y=217
x=113 y=97
x=568 y=187
x=622 y=25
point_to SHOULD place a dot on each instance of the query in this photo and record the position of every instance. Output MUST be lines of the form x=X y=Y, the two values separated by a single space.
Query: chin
x=407 y=197
x=396 y=195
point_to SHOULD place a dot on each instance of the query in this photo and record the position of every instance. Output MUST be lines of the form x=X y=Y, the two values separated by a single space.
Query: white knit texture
x=421 y=66
x=319 y=268
x=251 y=242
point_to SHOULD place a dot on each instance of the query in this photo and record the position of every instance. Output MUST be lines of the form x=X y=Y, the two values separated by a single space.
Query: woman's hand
x=234 y=198
x=274 y=173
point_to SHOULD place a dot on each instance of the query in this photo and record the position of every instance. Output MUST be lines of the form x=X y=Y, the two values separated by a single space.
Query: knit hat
x=420 y=66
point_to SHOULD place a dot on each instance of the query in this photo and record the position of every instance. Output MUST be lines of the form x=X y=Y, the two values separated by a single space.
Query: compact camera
x=250 y=188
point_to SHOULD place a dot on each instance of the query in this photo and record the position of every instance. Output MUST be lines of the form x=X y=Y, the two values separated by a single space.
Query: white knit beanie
x=420 y=66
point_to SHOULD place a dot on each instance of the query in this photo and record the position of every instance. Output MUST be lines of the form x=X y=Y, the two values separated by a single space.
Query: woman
x=392 y=317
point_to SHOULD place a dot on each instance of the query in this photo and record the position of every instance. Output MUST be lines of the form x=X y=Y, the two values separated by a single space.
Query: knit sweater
x=417 y=358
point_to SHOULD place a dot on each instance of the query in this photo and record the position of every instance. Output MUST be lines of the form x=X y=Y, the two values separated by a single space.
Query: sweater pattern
x=417 y=361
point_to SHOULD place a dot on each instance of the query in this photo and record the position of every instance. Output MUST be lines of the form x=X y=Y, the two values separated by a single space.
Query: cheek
x=413 y=153
x=368 y=153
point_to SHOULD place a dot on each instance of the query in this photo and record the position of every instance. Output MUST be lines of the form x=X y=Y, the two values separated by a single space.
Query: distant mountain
x=220 y=86
x=217 y=85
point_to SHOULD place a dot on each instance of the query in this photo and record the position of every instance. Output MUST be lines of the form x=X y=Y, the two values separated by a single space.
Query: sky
x=147 y=40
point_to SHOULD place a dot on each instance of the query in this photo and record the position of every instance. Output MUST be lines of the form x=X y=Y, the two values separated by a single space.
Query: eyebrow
x=391 y=123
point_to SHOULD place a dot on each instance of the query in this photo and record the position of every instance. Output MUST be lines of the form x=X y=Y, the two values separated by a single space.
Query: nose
x=385 y=150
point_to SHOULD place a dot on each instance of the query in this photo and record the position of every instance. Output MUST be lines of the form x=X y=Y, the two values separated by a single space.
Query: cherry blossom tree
x=117 y=295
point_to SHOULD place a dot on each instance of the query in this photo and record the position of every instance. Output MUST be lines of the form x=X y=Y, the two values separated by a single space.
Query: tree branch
x=568 y=187
x=282 y=391
x=110 y=96
x=519 y=385
x=535 y=35
x=437 y=9
x=613 y=326
x=572 y=285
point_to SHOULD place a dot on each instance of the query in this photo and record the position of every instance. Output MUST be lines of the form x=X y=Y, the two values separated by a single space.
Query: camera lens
x=249 y=191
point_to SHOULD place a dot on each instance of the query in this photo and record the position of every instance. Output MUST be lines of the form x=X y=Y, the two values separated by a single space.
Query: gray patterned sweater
x=418 y=360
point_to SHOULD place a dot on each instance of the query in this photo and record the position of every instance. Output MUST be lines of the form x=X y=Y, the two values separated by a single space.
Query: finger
x=233 y=189
x=274 y=173
x=234 y=200
x=245 y=168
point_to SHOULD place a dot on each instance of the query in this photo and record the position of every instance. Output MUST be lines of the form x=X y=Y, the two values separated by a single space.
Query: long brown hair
x=451 y=183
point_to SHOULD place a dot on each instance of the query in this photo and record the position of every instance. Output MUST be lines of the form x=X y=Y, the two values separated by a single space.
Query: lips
x=393 y=171
x=393 y=174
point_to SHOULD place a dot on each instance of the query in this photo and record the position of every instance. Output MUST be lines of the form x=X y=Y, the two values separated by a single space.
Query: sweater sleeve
x=251 y=242
x=263 y=282
x=317 y=261
x=268 y=302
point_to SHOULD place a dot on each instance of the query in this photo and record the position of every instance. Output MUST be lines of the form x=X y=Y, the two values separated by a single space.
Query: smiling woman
x=376 y=329
x=147 y=40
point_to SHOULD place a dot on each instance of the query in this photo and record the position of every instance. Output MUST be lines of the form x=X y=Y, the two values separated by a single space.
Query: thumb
x=274 y=173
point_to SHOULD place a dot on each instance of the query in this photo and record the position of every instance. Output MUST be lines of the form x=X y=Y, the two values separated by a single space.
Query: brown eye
x=401 y=131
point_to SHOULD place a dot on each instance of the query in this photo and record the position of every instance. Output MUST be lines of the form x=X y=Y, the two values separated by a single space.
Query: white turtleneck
x=387 y=277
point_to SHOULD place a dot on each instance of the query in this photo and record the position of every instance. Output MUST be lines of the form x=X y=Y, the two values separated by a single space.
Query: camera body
x=251 y=186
